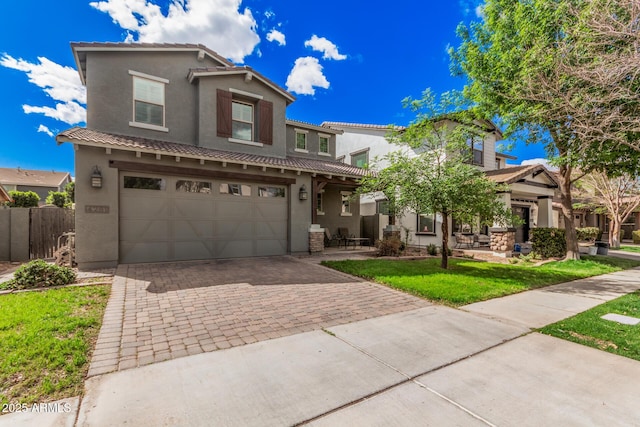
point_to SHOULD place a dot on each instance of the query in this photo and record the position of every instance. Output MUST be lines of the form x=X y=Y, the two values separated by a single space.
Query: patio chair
x=328 y=238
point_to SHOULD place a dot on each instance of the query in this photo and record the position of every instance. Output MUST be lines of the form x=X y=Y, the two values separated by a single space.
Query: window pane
x=319 y=204
x=143 y=183
x=346 y=203
x=148 y=91
x=187 y=186
x=426 y=223
x=324 y=144
x=271 y=192
x=301 y=141
x=359 y=160
x=235 y=189
x=149 y=113
x=242 y=131
x=242 y=112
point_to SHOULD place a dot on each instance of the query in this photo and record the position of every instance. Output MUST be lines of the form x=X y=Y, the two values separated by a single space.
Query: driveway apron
x=165 y=311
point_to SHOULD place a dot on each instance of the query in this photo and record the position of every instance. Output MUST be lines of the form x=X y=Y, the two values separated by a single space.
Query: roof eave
x=248 y=72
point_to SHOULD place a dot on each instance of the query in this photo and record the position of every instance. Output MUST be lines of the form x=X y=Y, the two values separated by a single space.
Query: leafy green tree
x=431 y=170
x=58 y=198
x=70 y=189
x=24 y=199
x=524 y=64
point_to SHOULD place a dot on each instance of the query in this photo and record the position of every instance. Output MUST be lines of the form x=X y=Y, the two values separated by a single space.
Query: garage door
x=166 y=218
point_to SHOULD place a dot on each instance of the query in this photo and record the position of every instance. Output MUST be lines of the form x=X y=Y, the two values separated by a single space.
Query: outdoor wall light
x=302 y=194
x=96 y=178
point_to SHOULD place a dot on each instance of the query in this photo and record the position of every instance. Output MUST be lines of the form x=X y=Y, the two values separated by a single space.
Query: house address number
x=97 y=209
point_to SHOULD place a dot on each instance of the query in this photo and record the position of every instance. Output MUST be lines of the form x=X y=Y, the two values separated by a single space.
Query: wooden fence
x=45 y=226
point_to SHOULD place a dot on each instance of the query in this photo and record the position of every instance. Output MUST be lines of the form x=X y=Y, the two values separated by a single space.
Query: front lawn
x=635 y=249
x=46 y=339
x=469 y=281
x=588 y=328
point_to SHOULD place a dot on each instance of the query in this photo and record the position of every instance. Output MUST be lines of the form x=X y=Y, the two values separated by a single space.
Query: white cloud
x=44 y=129
x=60 y=83
x=218 y=24
x=275 y=35
x=328 y=49
x=305 y=75
x=539 y=161
x=480 y=11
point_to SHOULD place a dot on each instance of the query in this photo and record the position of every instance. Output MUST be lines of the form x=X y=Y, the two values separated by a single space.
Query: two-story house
x=186 y=156
x=530 y=195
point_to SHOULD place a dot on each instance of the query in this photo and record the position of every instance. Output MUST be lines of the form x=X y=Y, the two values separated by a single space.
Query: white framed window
x=360 y=159
x=323 y=144
x=148 y=101
x=242 y=120
x=476 y=144
x=320 y=203
x=346 y=203
x=301 y=141
x=427 y=223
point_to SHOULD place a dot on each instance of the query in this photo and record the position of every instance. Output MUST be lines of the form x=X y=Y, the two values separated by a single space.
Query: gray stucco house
x=187 y=156
x=39 y=181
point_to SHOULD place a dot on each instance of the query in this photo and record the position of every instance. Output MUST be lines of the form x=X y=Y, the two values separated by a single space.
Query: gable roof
x=33 y=178
x=340 y=125
x=89 y=137
x=248 y=72
x=80 y=50
x=4 y=196
x=311 y=126
x=511 y=175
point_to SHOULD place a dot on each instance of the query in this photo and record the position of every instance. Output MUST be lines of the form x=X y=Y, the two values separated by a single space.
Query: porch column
x=505 y=199
x=545 y=211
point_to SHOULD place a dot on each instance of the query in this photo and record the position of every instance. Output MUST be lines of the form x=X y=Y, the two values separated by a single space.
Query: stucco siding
x=313 y=144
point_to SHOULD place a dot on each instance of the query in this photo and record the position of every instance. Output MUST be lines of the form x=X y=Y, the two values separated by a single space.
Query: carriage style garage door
x=167 y=218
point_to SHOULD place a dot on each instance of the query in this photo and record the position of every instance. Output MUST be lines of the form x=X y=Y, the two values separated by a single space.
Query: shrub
x=389 y=247
x=588 y=234
x=38 y=274
x=24 y=199
x=432 y=249
x=548 y=242
x=635 y=235
x=70 y=189
x=58 y=198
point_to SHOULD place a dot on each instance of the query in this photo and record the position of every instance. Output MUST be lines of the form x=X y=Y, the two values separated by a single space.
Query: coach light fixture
x=96 y=178
x=303 y=195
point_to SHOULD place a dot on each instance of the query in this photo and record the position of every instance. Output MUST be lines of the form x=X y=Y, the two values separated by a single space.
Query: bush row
x=548 y=242
x=40 y=274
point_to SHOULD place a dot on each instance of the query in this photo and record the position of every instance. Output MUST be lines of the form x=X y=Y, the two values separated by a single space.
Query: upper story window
x=148 y=101
x=242 y=120
x=360 y=159
x=244 y=117
x=301 y=140
x=323 y=144
x=476 y=144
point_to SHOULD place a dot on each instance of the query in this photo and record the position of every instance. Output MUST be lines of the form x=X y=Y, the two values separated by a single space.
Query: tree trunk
x=614 y=233
x=445 y=242
x=571 y=238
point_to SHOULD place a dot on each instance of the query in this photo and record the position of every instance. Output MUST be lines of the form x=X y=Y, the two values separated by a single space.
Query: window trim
x=156 y=79
x=252 y=122
x=320 y=203
x=426 y=233
x=328 y=138
x=348 y=195
x=306 y=140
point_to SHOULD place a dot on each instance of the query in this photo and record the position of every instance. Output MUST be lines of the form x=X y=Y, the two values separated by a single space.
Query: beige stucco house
x=39 y=181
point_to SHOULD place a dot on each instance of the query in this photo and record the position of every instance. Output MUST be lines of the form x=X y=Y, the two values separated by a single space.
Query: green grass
x=589 y=329
x=630 y=248
x=469 y=281
x=46 y=339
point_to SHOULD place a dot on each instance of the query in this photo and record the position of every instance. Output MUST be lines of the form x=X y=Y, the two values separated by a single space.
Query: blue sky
x=347 y=61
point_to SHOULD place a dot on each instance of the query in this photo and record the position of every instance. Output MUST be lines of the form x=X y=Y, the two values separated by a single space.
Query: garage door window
x=271 y=192
x=144 y=183
x=187 y=186
x=235 y=189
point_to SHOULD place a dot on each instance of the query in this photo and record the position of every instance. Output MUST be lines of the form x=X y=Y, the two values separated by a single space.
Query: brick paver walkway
x=163 y=311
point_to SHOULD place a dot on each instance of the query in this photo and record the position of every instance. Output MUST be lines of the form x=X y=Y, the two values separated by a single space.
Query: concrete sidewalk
x=429 y=366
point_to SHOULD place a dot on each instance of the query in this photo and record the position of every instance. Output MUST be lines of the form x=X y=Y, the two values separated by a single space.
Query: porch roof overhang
x=530 y=181
x=329 y=170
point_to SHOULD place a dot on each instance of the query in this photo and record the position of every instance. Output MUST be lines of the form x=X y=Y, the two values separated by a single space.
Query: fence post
x=19 y=234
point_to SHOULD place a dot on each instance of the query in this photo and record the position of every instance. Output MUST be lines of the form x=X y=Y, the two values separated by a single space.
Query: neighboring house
x=4 y=195
x=530 y=196
x=38 y=181
x=187 y=156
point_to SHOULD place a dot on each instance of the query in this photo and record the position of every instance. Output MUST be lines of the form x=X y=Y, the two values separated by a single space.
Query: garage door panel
x=273 y=229
x=234 y=209
x=194 y=209
x=195 y=249
x=271 y=247
x=139 y=206
x=235 y=249
x=145 y=251
x=232 y=230
x=193 y=230
x=145 y=230
x=271 y=211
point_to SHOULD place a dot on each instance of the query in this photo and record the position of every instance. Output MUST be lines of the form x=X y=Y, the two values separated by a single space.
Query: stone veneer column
x=502 y=240
x=316 y=239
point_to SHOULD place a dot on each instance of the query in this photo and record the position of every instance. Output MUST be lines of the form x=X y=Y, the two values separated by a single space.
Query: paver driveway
x=163 y=311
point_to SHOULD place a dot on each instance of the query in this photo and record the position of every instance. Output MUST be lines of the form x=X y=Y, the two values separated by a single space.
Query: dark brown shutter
x=223 y=103
x=265 y=122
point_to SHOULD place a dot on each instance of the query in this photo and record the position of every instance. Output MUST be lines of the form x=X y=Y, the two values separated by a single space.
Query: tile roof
x=83 y=136
x=359 y=125
x=35 y=178
x=312 y=126
x=513 y=174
